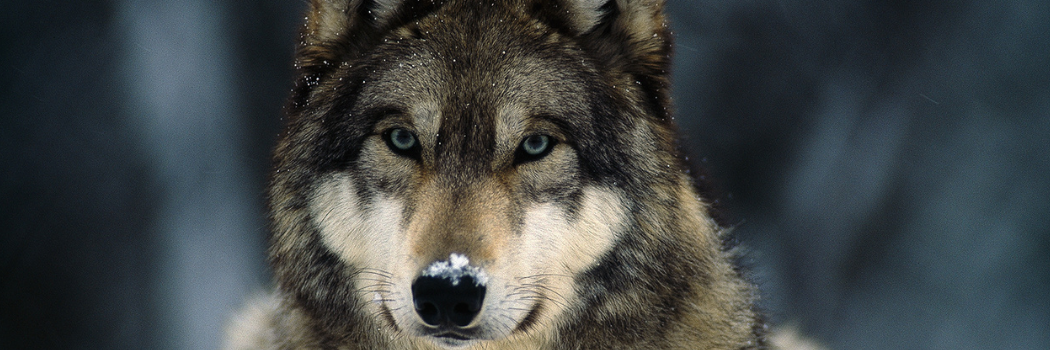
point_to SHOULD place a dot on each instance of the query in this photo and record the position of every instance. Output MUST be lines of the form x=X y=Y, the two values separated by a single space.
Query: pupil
x=402 y=139
x=536 y=144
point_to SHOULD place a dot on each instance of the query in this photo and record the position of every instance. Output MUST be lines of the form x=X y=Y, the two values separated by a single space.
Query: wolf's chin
x=456 y=339
x=452 y=341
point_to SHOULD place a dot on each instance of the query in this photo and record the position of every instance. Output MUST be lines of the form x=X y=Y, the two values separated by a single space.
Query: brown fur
x=642 y=265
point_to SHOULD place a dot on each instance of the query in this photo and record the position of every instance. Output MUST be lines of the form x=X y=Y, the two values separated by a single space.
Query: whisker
x=372 y=271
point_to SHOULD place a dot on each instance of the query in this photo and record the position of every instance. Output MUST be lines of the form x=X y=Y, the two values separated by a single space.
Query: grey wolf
x=490 y=175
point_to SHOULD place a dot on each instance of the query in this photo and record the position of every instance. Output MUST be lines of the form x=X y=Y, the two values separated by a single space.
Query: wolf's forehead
x=478 y=89
x=490 y=106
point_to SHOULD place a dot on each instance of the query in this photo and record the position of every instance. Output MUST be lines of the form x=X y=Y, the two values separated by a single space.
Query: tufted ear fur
x=631 y=37
x=343 y=22
x=584 y=15
x=338 y=31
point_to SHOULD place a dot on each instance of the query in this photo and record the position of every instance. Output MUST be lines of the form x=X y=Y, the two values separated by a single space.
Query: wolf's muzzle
x=439 y=301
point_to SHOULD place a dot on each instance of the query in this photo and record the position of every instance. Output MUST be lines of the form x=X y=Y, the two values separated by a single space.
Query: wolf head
x=477 y=172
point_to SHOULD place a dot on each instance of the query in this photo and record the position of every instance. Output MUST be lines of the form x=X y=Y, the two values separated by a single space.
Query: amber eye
x=534 y=147
x=402 y=142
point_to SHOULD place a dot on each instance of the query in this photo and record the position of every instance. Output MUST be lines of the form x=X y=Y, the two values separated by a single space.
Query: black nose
x=438 y=300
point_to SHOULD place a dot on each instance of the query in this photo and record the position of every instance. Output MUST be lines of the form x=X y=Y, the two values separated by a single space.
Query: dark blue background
x=885 y=162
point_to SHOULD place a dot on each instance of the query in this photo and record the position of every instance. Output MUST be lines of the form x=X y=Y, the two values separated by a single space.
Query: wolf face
x=472 y=160
x=460 y=173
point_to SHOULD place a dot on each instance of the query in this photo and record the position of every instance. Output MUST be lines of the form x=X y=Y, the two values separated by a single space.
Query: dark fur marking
x=342 y=132
x=550 y=13
x=620 y=273
x=531 y=318
x=389 y=317
x=326 y=273
x=600 y=142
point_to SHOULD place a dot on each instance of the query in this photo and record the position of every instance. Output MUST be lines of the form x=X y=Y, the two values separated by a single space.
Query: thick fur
x=603 y=243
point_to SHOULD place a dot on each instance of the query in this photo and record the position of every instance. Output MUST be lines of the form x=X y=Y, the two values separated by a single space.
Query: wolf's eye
x=401 y=141
x=534 y=147
x=536 y=144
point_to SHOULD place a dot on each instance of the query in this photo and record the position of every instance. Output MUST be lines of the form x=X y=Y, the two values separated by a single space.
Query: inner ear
x=585 y=15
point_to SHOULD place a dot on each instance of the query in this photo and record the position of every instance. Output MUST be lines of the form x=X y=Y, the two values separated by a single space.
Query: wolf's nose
x=439 y=300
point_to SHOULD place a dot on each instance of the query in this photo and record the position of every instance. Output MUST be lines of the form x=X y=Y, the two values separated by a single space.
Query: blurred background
x=886 y=163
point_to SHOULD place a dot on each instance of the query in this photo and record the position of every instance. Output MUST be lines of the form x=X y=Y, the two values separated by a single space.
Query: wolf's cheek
x=562 y=245
x=362 y=232
x=575 y=242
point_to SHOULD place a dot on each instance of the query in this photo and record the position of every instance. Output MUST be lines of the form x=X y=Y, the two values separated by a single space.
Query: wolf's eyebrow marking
x=382 y=112
x=510 y=125
x=426 y=116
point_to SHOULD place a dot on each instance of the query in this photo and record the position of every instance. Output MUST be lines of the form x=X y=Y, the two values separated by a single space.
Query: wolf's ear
x=627 y=30
x=583 y=15
x=337 y=31
x=331 y=20
x=630 y=36
x=335 y=28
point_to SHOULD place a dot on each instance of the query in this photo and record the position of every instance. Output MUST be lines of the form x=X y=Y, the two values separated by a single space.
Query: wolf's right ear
x=337 y=31
x=628 y=32
x=336 y=27
x=630 y=37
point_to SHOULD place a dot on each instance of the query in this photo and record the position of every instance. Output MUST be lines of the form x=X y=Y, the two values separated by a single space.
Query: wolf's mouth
x=452 y=336
x=452 y=339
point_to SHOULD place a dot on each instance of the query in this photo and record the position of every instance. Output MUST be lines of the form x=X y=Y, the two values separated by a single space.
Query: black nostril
x=439 y=299
x=429 y=312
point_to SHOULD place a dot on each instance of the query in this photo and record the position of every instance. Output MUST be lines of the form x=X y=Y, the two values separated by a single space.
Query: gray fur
x=645 y=268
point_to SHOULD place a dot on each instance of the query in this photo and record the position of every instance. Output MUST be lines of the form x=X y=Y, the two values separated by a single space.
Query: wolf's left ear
x=630 y=36
x=635 y=30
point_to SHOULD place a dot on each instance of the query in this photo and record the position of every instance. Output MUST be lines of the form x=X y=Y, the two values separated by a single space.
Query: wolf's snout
x=439 y=300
